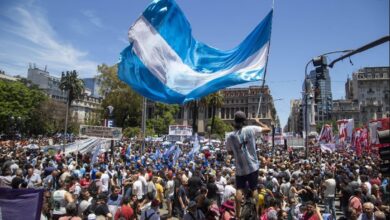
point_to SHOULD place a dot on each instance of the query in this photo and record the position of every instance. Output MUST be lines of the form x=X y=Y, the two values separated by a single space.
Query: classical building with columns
x=245 y=99
x=367 y=96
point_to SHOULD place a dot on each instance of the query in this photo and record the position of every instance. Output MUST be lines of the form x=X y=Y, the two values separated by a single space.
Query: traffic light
x=321 y=65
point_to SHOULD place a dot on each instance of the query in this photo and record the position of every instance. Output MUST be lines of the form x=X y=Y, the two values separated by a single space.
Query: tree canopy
x=127 y=103
x=21 y=108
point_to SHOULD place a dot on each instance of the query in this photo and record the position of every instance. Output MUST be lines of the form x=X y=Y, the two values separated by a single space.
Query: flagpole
x=266 y=64
x=143 y=125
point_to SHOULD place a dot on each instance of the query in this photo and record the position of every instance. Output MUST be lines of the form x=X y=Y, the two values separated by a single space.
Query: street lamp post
x=209 y=131
x=306 y=93
x=66 y=120
x=110 y=123
x=273 y=138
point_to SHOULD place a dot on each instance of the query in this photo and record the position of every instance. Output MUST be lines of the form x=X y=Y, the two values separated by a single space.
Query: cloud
x=95 y=20
x=28 y=37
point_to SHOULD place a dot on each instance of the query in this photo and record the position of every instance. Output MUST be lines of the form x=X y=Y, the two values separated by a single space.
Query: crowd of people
x=143 y=186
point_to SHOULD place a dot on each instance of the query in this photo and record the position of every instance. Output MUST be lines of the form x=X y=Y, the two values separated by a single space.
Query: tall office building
x=93 y=84
x=323 y=107
x=49 y=84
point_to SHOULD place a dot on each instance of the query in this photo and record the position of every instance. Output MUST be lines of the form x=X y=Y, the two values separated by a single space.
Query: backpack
x=93 y=189
x=248 y=210
x=150 y=216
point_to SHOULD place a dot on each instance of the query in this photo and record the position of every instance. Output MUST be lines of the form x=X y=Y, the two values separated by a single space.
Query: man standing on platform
x=242 y=144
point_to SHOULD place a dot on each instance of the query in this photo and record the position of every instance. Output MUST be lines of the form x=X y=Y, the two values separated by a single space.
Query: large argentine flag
x=165 y=63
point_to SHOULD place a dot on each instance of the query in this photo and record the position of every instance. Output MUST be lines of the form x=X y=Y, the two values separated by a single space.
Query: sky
x=80 y=35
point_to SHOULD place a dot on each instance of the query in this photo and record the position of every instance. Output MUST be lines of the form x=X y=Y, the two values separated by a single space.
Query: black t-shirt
x=183 y=194
x=346 y=192
x=212 y=192
x=194 y=185
x=102 y=209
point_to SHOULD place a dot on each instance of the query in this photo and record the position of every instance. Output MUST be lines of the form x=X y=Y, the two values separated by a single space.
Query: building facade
x=86 y=109
x=247 y=100
x=234 y=99
x=345 y=109
x=367 y=96
x=371 y=89
x=295 y=119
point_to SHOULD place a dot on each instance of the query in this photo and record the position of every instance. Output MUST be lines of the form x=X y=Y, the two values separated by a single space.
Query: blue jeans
x=329 y=204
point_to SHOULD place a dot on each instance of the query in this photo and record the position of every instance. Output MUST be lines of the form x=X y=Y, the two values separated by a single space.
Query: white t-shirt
x=243 y=145
x=105 y=178
x=330 y=187
x=144 y=183
x=137 y=189
x=170 y=188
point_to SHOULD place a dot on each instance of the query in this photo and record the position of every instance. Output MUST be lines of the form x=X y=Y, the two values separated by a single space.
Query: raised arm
x=264 y=127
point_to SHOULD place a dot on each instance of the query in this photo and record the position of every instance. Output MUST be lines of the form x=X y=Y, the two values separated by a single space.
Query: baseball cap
x=239 y=117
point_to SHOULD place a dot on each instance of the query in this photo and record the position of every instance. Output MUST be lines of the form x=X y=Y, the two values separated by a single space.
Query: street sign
x=101 y=132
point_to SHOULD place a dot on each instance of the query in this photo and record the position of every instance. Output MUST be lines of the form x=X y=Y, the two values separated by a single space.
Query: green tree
x=163 y=117
x=215 y=100
x=20 y=109
x=194 y=105
x=126 y=102
x=132 y=132
x=221 y=127
x=71 y=84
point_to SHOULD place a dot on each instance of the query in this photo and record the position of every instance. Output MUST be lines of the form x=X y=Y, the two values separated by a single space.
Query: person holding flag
x=241 y=143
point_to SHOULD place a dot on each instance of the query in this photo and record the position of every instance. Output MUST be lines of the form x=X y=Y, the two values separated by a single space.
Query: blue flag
x=18 y=204
x=96 y=154
x=157 y=155
x=128 y=152
x=169 y=151
x=165 y=63
x=176 y=155
x=195 y=149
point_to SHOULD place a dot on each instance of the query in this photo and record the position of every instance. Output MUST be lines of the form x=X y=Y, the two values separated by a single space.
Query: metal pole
x=66 y=121
x=273 y=139
x=143 y=124
x=361 y=49
x=111 y=118
x=306 y=104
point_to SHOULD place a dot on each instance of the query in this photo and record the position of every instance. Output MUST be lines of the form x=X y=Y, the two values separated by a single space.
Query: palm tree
x=215 y=100
x=74 y=88
x=194 y=106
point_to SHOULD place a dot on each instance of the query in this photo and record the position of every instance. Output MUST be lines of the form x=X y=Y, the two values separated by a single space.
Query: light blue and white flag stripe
x=195 y=149
x=165 y=63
